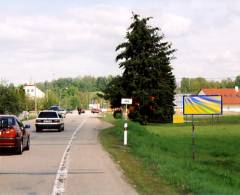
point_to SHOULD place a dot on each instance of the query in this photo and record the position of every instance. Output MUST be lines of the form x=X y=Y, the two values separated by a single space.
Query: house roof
x=229 y=96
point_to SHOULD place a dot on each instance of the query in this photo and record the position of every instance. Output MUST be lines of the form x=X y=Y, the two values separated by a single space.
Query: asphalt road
x=68 y=162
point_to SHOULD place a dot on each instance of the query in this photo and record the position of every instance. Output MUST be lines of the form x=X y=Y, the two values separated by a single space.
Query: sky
x=51 y=39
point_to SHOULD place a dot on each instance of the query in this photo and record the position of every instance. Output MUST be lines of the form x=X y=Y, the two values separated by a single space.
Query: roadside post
x=125 y=134
x=126 y=102
x=193 y=139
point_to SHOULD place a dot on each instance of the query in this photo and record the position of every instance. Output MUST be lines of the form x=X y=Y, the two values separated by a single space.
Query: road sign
x=126 y=101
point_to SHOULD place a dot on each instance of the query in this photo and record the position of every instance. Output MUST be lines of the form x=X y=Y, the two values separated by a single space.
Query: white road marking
x=58 y=188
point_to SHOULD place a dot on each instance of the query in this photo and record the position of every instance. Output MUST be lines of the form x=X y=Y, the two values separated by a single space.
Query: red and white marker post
x=125 y=134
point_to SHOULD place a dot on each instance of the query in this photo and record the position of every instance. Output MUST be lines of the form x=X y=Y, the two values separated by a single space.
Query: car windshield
x=6 y=122
x=48 y=115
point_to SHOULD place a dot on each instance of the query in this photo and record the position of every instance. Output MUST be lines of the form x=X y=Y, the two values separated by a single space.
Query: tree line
x=74 y=92
x=12 y=99
x=80 y=91
x=68 y=92
x=194 y=85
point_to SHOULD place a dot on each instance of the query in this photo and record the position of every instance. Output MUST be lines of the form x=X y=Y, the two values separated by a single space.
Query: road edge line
x=62 y=172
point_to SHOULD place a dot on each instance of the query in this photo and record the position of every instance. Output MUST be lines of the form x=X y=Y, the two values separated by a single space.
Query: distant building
x=32 y=91
x=230 y=98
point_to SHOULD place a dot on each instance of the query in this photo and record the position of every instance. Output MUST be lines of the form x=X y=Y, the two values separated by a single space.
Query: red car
x=13 y=134
x=95 y=110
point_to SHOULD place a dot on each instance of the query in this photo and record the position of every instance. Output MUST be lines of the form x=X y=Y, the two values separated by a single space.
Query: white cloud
x=175 y=25
x=78 y=41
x=82 y=39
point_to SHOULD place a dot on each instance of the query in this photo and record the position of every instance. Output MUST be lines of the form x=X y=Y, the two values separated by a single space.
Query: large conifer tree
x=147 y=74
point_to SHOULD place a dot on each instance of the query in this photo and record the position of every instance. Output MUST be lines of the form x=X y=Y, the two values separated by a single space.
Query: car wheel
x=19 y=149
x=59 y=128
x=28 y=144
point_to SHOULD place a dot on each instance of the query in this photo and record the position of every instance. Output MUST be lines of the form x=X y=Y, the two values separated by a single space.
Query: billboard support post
x=193 y=139
x=212 y=120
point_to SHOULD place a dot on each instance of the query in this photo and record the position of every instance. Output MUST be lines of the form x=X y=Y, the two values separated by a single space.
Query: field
x=164 y=153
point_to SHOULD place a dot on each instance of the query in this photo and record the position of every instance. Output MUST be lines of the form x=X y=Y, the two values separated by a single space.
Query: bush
x=135 y=115
x=117 y=114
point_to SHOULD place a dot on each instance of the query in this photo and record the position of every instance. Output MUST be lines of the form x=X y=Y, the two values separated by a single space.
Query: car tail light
x=9 y=132
x=39 y=121
x=56 y=121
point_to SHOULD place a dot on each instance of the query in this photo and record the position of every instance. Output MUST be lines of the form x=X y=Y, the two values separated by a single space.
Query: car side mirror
x=27 y=126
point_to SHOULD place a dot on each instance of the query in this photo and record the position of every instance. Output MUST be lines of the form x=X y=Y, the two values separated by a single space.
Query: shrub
x=117 y=114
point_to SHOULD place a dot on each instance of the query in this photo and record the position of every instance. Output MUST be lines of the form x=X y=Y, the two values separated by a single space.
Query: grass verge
x=160 y=155
x=143 y=179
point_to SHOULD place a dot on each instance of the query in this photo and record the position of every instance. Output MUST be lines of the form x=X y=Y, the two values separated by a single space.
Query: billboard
x=202 y=104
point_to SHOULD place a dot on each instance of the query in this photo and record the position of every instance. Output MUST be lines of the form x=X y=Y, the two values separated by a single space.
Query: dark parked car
x=59 y=110
x=13 y=134
x=49 y=119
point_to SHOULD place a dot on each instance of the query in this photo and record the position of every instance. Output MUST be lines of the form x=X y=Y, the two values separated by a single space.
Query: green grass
x=143 y=179
x=216 y=120
x=165 y=150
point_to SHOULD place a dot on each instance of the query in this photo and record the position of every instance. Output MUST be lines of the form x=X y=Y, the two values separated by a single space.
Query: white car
x=49 y=119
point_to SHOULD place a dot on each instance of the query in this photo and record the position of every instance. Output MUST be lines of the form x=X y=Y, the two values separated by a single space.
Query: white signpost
x=126 y=101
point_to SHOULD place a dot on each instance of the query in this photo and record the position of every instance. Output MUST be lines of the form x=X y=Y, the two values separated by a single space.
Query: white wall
x=30 y=91
x=231 y=108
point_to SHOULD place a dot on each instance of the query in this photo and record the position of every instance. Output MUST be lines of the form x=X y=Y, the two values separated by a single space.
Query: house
x=32 y=91
x=230 y=98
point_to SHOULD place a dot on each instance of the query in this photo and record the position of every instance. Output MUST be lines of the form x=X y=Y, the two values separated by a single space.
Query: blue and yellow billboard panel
x=202 y=104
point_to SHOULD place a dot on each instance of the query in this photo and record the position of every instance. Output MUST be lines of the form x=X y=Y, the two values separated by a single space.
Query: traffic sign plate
x=126 y=101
